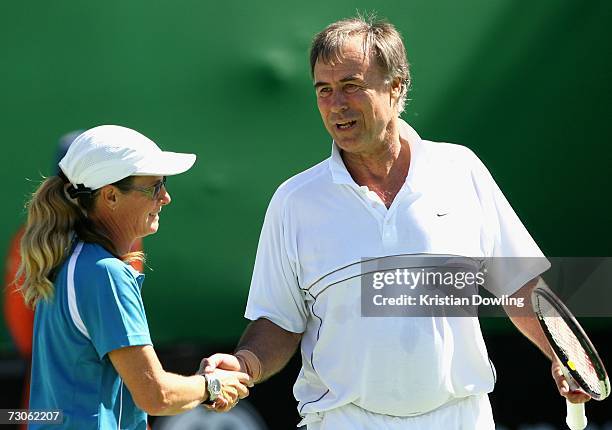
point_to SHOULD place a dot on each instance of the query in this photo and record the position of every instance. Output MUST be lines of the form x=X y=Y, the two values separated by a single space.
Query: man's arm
x=272 y=345
x=264 y=349
x=528 y=324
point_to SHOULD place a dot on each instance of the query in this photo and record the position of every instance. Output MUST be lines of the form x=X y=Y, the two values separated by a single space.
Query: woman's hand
x=234 y=383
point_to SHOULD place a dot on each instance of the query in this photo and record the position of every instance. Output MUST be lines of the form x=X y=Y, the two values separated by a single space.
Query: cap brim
x=166 y=164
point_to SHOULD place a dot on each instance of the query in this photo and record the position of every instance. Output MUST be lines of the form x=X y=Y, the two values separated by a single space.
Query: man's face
x=355 y=103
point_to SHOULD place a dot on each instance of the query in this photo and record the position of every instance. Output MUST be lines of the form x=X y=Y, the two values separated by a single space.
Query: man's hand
x=574 y=396
x=263 y=350
x=530 y=327
x=234 y=384
x=220 y=361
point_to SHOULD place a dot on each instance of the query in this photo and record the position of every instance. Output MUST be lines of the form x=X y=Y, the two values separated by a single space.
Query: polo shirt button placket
x=388 y=230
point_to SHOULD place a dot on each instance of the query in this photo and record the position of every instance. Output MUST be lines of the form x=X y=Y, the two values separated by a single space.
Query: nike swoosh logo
x=442 y=214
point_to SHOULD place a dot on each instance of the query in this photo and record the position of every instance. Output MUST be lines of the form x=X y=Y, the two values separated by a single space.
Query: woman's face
x=137 y=211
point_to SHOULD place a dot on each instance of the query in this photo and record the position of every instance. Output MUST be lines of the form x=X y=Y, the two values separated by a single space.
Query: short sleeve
x=513 y=258
x=111 y=307
x=275 y=293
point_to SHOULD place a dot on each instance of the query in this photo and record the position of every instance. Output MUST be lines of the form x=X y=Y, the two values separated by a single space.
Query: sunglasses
x=153 y=191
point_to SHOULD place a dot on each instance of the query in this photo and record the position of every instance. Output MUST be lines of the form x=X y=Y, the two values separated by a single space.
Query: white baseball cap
x=108 y=153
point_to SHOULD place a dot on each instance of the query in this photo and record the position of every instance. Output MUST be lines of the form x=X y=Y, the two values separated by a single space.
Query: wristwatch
x=213 y=385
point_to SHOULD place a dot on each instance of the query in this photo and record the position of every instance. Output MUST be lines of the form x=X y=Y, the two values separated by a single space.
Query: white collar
x=341 y=175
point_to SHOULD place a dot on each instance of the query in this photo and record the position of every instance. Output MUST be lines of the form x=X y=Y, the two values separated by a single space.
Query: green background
x=526 y=85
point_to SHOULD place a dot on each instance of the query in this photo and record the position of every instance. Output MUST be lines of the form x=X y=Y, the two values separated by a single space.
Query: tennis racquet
x=582 y=366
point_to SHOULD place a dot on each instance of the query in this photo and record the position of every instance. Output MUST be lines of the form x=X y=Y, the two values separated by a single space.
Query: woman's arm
x=158 y=392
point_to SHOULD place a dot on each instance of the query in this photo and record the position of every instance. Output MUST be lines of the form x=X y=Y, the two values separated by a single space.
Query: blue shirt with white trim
x=96 y=308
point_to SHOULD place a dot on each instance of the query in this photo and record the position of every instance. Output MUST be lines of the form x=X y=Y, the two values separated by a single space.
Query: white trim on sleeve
x=120 y=405
x=72 y=304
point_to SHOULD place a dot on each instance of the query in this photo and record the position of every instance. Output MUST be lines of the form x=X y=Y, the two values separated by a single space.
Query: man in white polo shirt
x=383 y=192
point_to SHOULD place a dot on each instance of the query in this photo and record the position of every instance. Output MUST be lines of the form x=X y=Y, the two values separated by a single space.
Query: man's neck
x=383 y=171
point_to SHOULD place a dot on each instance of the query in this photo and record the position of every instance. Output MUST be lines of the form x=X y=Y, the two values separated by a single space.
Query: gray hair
x=380 y=39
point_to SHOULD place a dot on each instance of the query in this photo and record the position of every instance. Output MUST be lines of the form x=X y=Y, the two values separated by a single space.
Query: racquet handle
x=575 y=419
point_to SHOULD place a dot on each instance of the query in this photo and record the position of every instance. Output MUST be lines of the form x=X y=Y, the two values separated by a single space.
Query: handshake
x=235 y=373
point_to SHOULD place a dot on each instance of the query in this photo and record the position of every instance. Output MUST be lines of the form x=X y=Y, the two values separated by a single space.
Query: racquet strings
x=566 y=340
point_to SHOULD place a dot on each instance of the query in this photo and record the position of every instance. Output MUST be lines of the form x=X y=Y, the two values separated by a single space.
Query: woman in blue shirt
x=92 y=354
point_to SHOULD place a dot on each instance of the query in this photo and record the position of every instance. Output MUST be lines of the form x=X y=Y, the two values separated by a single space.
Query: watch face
x=215 y=386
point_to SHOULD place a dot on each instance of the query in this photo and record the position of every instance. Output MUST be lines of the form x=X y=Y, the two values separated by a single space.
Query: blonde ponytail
x=52 y=222
x=47 y=236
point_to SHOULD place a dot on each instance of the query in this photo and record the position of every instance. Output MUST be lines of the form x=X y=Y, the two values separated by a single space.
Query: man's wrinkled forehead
x=355 y=47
